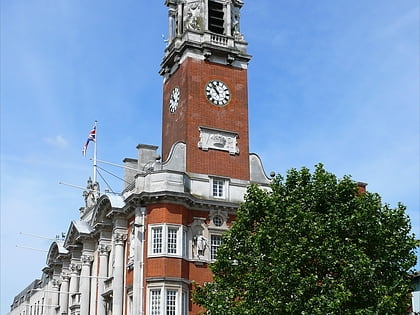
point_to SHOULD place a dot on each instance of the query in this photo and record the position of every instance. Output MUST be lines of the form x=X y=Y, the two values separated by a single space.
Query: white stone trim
x=182 y=292
x=217 y=139
x=180 y=240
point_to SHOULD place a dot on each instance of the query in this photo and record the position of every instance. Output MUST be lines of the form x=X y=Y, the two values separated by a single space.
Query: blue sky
x=335 y=82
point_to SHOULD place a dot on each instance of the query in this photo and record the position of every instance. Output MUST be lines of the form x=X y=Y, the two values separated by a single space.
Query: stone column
x=64 y=294
x=228 y=20
x=180 y=19
x=118 y=282
x=171 y=30
x=85 y=284
x=54 y=297
x=102 y=274
x=74 y=280
x=138 y=275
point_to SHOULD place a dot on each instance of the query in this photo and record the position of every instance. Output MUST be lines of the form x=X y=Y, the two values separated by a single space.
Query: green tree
x=313 y=244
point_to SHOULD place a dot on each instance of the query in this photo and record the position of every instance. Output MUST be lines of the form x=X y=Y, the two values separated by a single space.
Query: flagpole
x=95 y=153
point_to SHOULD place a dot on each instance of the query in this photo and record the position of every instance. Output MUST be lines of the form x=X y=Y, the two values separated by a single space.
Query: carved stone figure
x=219 y=140
x=192 y=19
x=91 y=194
x=236 y=32
x=201 y=245
x=131 y=249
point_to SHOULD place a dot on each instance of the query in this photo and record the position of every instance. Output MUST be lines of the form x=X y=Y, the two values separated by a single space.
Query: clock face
x=174 y=99
x=217 y=93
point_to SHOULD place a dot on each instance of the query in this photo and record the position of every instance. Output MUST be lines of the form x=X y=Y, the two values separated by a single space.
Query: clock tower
x=147 y=246
x=205 y=96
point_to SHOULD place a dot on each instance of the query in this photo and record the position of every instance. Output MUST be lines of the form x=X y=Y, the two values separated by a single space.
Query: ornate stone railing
x=219 y=40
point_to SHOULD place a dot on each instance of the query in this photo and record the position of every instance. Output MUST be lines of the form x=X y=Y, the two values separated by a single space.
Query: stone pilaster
x=74 y=280
x=118 y=284
x=85 y=284
x=54 y=296
x=138 y=272
x=64 y=293
x=103 y=250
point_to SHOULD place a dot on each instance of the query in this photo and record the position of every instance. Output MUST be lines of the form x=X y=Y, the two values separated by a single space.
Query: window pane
x=218 y=221
x=155 y=302
x=170 y=302
x=172 y=233
x=157 y=240
x=216 y=240
x=218 y=187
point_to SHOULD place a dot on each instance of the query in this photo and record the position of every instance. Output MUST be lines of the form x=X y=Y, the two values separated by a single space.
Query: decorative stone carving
x=239 y=3
x=104 y=249
x=132 y=242
x=201 y=244
x=236 y=31
x=120 y=238
x=193 y=15
x=218 y=213
x=86 y=259
x=75 y=268
x=219 y=140
x=91 y=194
x=55 y=284
x=65 y=276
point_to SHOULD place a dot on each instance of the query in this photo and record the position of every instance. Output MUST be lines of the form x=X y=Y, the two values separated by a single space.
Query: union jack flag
x=91 y=137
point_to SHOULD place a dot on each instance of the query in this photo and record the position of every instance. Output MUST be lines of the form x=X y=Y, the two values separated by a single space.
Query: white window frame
x=220 y=182
x=158 y=311
x=213 y=258
x=181 y=235
x=181 y=298
x=157 y=247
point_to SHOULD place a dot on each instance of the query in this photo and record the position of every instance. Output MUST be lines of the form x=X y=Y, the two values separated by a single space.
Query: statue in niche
x=91 y=194
x=236 y=32
x=200 y=244
x=193 y=15
x=132 y=245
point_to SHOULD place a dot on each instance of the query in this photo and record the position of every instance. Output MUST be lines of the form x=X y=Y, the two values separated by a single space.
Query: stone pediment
x=77 y=230
x=56 y=251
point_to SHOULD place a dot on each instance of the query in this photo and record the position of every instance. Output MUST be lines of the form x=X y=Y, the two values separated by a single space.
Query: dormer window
x=216 y=17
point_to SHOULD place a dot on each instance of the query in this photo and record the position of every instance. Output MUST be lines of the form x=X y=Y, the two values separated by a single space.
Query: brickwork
x=195 y=110
x=168 y=267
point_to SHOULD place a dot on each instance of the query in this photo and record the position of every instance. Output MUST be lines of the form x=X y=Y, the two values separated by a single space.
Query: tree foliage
x=313 y=244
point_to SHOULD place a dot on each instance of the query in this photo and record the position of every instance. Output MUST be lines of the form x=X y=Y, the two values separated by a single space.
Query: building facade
x=415 y=295
x=139 y=252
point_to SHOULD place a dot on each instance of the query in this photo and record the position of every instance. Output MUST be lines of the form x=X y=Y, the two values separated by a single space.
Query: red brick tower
x=190 y=199
x=205 y=96
x=140 y=251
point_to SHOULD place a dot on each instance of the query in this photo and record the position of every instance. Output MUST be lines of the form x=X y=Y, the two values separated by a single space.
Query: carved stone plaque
x=217 y=139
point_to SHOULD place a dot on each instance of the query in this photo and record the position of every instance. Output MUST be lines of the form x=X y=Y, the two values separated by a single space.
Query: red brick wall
x=195 y=110
x=175 y=267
